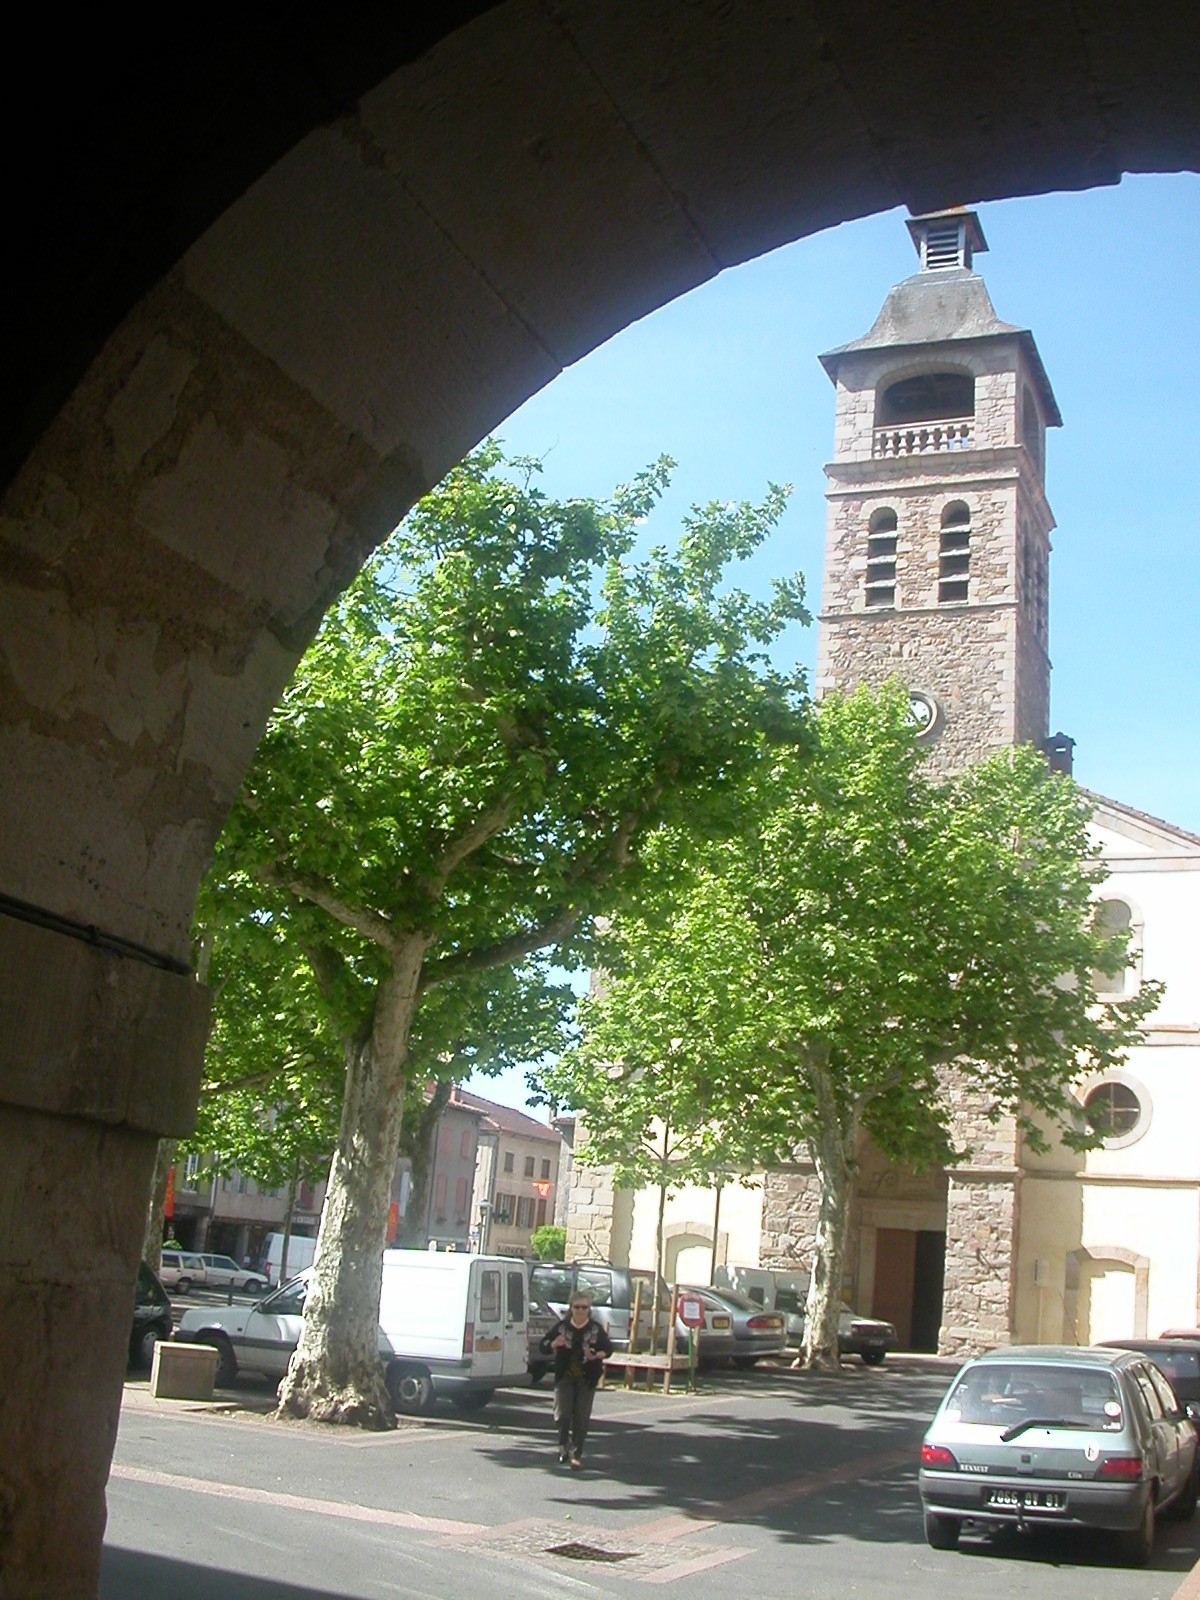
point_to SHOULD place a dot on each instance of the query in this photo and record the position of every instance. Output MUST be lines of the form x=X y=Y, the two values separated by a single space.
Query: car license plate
x=720 y=1322
x=1028 y=1499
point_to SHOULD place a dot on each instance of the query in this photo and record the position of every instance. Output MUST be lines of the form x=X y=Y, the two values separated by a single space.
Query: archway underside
x=396 y=284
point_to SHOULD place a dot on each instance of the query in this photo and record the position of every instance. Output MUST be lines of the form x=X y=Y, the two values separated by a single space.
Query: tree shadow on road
x=823 y=1458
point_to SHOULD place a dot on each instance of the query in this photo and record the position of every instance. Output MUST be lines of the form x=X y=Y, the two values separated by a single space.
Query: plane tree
x=867 y=933
x=502 y=708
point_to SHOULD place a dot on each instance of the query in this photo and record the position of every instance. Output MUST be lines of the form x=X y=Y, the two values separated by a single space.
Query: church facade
x=937 y=572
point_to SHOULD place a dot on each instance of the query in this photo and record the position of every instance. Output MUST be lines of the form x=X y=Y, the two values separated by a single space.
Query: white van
x=301 y=1250
x=451 y=1325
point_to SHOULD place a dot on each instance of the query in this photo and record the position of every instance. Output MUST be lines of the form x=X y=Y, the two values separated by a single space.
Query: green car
x=1057 y=1436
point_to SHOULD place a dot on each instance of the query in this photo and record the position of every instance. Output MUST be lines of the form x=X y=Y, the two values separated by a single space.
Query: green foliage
x=494 y=720
x=863 y=930
x=548 y=1242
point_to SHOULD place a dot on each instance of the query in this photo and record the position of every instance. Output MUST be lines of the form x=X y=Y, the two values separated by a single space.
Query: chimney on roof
x=1059 y=751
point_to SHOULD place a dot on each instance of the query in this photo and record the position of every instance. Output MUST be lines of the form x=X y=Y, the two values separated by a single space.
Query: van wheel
x=471 y=1400
x=537 y=1372
x=1137 y=1545
x=411 y=1389
x=941 y=1533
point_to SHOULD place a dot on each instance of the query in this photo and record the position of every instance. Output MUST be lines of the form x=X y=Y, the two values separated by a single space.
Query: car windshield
x=288 y=1301
x=552 y=1284
x=1011 y=1395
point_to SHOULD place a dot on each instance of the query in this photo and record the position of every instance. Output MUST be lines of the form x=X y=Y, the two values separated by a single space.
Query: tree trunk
x=155 y=1211
x=420 y=1156
x=832 y=1151
x=335 y=1374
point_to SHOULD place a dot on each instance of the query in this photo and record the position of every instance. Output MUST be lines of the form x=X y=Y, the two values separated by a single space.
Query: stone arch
x=253 y=329
x=1076 y=1266
x=682 y=1236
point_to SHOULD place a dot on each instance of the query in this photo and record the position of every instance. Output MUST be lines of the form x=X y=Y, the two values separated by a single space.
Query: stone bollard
x=183 y=1371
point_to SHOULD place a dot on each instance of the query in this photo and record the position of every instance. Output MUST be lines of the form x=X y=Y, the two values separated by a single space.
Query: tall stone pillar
x=791 y=1202
x=100 y=1055
x=979 y=1293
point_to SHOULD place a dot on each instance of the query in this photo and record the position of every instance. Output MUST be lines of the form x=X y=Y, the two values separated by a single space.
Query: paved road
x=767 y=1484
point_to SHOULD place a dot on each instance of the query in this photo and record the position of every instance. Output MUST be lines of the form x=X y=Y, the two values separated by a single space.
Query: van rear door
x=516 y=1324
x=487 y=1304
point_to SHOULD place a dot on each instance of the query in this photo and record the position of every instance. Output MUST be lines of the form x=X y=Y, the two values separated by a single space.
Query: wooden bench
x=644 y=1362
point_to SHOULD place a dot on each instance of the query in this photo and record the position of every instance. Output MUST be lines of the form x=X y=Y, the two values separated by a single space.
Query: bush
x=548 y=1242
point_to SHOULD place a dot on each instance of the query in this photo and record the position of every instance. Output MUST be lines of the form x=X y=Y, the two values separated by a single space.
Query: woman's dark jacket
x=587 y=1348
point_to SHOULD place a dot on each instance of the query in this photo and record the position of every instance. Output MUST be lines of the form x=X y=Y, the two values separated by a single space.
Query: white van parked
x=301 y=1250
x=451 y=1325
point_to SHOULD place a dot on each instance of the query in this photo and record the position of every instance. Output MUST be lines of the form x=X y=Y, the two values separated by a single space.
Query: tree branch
x=503 y=953
x=373 y=927
x=554 y=928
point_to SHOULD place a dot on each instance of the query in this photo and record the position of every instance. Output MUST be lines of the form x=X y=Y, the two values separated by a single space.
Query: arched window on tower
x=954 y=553
x=881 y=558
x=931 y=411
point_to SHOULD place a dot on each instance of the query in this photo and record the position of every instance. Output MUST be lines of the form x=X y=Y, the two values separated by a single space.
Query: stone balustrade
x=923 y=438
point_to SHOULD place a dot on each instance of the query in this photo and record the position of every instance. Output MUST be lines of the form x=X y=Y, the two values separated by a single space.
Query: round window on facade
x=1116 y=1111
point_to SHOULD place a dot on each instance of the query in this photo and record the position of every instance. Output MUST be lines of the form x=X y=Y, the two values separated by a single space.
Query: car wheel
x=252 y=1286
x=872 y=1358
x=941 y=1533
x=1137 y=1545
x=411 y=1389
x=183 y=1286
x=144 y=1353
x=745 y=1361
x=227 y=1366
x=471 y=1400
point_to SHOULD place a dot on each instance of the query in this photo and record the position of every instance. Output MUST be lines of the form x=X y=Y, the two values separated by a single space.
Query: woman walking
x=579 y=1345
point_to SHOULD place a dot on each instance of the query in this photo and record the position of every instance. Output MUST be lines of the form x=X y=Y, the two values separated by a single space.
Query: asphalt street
x=768 y=1483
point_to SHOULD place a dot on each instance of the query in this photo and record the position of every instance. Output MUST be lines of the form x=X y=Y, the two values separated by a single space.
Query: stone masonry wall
x=978 y=1299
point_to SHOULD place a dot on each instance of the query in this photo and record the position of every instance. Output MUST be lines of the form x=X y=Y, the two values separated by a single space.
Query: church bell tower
x=938 y=528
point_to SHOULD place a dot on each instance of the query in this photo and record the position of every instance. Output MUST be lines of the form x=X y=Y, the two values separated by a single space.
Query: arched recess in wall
x=1119 y=914
x=687 y=1249
x=1089 y=1298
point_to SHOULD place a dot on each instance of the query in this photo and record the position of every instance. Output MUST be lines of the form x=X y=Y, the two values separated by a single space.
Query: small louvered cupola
x=947 y=239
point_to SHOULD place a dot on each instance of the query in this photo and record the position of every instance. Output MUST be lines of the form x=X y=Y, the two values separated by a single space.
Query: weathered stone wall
x=979 y=1294
x=963 y=656
x=599 y=1216
x=791 y=1200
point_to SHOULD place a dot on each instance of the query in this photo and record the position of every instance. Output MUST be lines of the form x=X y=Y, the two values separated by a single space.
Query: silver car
x=223 y=1272
x=1047 y=1435
x=181 y=1269
x=756 y=1333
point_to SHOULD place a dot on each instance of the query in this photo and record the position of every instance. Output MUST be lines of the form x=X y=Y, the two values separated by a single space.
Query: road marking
x=527 y=1538
x=297 y=1502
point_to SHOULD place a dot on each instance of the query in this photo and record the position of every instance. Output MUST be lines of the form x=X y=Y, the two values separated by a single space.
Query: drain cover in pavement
x=589 y=1552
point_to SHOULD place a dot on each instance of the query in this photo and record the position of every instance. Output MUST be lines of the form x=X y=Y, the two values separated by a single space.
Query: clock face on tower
x=924 y=713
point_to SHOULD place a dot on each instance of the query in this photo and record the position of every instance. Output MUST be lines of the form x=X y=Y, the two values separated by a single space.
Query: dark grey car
x=1046 y=1435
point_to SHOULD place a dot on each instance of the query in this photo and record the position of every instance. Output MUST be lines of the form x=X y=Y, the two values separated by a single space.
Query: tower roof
x=945 y=304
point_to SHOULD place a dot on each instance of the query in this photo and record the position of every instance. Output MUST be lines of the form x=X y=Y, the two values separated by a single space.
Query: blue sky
x=726 y=380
